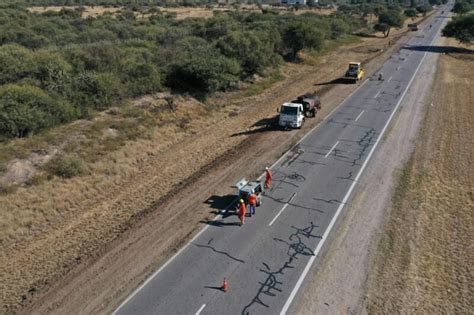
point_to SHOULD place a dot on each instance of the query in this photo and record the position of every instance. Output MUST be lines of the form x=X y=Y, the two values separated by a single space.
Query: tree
x=410 y=13
x=27 y=109
x=462 y=7
x=299 y=35
x=424 y=9
x=200 y=68
x=253 y=53
x=461 y=28
x=389 y=19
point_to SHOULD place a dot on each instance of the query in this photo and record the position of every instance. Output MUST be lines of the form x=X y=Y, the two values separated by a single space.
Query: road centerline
x=200 y=309
x=349 y=192
x=333 y=147
x=357 y=118
x=282 y=209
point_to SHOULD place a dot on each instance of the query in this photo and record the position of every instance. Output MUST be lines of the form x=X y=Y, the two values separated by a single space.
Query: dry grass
x=88 y=12
x=48 y=229
x=180 y=12
x=426 y=254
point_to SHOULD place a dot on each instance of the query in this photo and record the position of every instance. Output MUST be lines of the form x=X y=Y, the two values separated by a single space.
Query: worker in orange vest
x=242 y=211
x=252 y=203
x=268 y=178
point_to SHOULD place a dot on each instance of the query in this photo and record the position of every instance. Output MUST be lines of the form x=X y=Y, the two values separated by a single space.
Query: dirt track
x=212 y=158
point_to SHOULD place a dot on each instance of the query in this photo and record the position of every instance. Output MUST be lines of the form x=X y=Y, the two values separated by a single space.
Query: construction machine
x=354 y=72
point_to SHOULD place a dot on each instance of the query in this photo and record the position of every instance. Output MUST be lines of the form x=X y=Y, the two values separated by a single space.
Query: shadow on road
x=336 y=81
x=214 y=288
x=219 y=223
x=220 y=202
x=440 y=49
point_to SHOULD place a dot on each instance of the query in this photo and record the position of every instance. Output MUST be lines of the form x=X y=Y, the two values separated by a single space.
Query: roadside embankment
x=424 y=258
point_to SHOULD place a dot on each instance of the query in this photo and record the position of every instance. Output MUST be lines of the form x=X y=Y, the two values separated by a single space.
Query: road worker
x=268 y=178
x=252 y=203
x=242 y=211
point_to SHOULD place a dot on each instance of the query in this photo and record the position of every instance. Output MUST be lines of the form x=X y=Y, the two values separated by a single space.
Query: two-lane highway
x=267 y=259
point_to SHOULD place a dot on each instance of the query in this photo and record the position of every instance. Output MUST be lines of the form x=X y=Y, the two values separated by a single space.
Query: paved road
x=266 y=260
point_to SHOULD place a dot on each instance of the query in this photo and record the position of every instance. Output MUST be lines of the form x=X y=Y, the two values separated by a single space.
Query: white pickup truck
x=291 y=115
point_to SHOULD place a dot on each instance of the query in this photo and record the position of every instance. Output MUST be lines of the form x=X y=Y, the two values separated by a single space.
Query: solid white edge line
x=357 y=118
x=170 y=260
x=200 y=310
x=217 y=216
x=346 y=197
x=280 y=212
x=314 y=128
x=333 y=147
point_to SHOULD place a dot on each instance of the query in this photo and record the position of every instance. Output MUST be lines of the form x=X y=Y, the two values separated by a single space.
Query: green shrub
x=16 y=62
x=66 y=167
x=299 y=35
x=27 y=109
x=461 y=28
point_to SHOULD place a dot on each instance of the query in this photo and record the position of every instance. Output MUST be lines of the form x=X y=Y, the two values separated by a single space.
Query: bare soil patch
x=424 y=259
x=139 y=203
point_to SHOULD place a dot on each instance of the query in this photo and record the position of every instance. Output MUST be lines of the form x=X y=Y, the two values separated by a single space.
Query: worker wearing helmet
x=242 y=211
x=252 y=203
x=268 y=178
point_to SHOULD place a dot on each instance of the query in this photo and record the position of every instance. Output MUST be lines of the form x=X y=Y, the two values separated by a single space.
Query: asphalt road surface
x=266 y=260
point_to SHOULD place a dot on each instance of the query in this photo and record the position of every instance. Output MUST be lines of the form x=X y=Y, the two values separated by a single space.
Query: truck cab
x=291 y=115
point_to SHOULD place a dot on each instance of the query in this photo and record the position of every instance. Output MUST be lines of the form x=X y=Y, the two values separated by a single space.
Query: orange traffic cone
x=225 y=285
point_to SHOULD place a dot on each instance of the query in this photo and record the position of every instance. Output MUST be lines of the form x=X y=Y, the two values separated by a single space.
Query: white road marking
x=389 y=79
x=357 y=118
x=377 y=94
x=333 y=147
x=337 y=107
x=346 y=197
x=200 y=310
x=282 y=209
x=171 y=259
x=226 y=208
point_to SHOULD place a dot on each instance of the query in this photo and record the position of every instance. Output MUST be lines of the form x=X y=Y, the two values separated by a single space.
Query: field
x=183 y=12
x=424 y=260
x=53 y=226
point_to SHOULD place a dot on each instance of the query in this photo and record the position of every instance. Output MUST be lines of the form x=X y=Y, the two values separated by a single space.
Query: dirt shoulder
x=338 y=284
x=424 y=258
x=112 y=234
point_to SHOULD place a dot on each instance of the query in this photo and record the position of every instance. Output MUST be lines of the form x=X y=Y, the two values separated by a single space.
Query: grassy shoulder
x=425 y=252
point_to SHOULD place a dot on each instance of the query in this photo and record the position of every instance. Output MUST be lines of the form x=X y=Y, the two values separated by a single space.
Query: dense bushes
x=463 y=6
x=28 y=109
x=59 y=66
x=461 y=28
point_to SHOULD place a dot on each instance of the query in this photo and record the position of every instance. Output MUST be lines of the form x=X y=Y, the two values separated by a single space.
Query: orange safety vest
x=242 y=209
x=253 y=199
x=269 y=175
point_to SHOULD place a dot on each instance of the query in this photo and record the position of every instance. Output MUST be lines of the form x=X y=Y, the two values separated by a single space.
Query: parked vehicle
x=413 y=27
x=291 y=115
x=311 y=103
x=246 y=188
